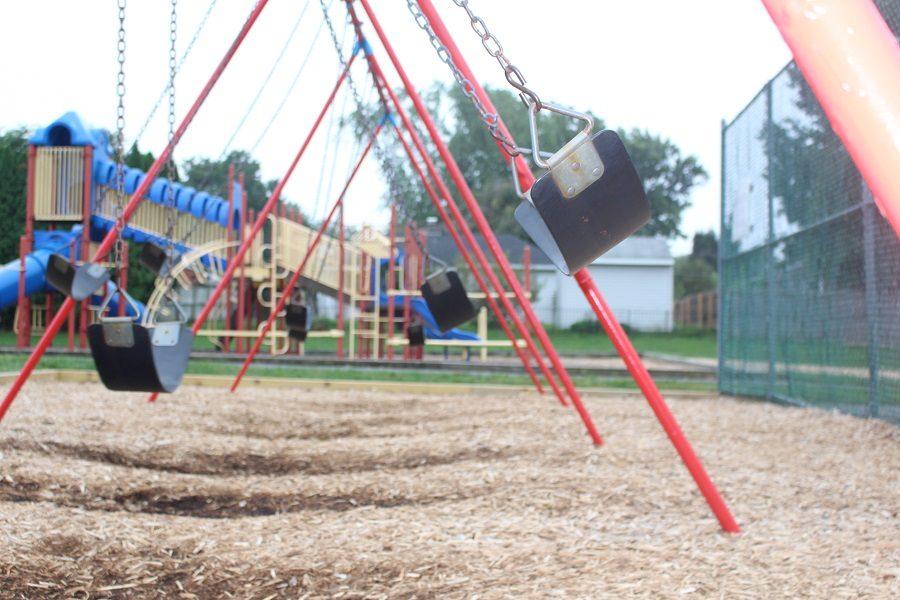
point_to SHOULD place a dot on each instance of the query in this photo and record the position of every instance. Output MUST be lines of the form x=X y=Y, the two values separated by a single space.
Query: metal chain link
x=491 y=120
x=184 y=55
x=495 y=49
x=171 y=173
x=387 y=162
x=119 y=248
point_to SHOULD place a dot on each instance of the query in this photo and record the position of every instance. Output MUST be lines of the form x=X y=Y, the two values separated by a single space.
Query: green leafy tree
x=13 y=177
x=706 y=248
x=211 y=176
x=692 y=276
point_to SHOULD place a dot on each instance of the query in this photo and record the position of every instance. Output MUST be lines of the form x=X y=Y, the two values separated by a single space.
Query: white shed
x=636 y=279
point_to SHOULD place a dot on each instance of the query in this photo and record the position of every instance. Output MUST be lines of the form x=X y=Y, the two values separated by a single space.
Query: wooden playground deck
x=301 y=493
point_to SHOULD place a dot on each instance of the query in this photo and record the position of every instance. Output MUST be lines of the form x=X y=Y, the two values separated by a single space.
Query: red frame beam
x=292 y=282
x=601 y=309
x=106 y=245
x=851 y=60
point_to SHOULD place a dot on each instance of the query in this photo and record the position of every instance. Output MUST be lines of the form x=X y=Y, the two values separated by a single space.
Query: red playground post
x=107 y=244
x=598 y=305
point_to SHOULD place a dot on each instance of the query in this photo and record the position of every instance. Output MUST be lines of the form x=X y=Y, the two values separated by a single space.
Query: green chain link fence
x=809 y=269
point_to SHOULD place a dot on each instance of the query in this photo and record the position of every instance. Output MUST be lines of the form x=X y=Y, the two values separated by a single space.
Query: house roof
x=634 y=250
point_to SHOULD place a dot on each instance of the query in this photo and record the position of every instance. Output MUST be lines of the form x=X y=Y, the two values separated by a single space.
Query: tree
x=692 y=276
x=13 y=177
x=706 y=248
x=669 y=177
x=211 y=176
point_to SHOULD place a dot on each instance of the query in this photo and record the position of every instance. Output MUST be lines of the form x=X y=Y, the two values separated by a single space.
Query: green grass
x=14 y=362
x=570 y=343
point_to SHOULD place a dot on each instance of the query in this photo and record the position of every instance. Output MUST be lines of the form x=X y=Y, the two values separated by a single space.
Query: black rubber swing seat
x=447 y=300
x=130 y=357
x=415 y=333
x=155 y=259
x=78 y=282
x=295 y=321
x=589 y=201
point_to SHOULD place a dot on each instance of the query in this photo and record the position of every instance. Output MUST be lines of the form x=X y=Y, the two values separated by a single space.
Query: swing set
x=588 y=198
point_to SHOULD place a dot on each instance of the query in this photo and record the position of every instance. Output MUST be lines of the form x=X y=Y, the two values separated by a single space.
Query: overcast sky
x=674 y=68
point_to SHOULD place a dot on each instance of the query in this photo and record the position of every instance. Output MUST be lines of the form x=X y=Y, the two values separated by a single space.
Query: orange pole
x=851 y=60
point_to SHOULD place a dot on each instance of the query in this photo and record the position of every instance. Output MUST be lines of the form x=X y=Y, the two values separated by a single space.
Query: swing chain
x=170 y=163
x=514 y=76
x=495 y=49
x=387 y=163
x=119 y=248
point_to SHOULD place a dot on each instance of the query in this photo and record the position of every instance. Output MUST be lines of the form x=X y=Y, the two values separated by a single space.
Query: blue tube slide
x=36 y=282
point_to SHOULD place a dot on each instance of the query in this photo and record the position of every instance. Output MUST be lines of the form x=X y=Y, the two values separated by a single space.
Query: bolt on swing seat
x=295 y=321
x=591 y=199
x=78 y=282
x=155 y=259
x=447 y=299
x=132 y=357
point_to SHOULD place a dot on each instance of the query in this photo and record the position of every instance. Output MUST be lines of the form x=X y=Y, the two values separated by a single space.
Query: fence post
x=871 y=283
x=770 y=251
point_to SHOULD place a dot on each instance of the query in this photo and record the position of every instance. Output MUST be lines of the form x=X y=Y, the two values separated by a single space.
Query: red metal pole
x=657 y=403
x=407 y=285
x=526 y=269
x=435 y=200
x=229 y=230
x=106 y=245
x=299 y=272
x=242 y=277
x=391 y=275
x=851 y=60
x=341 y=276
x=26 y=244
x=595 y=299
x=86 y=211
x=71 y=324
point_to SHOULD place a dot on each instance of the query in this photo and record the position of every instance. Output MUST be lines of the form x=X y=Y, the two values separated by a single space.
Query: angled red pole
x=135 y=200
x=601 y=309
x=429 y=190
x=292 y=282
x=486 y=231
x=263 y=214
x=382 y=87
x=851 y=60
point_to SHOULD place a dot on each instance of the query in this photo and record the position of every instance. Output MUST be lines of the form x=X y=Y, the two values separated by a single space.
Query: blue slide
x=46 y=243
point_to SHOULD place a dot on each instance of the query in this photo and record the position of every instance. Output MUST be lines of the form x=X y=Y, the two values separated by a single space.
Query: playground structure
x=609 y=174
x=70 y=177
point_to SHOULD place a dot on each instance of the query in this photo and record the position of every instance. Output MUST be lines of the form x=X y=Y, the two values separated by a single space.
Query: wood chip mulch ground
x=327 y=494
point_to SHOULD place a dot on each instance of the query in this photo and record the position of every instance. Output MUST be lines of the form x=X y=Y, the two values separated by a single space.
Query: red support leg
x=342 y=274
x=26 y=243
x=242 y=276
x=106 y=245
x=391 y=278
x=598 y=305
x=657 y=403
